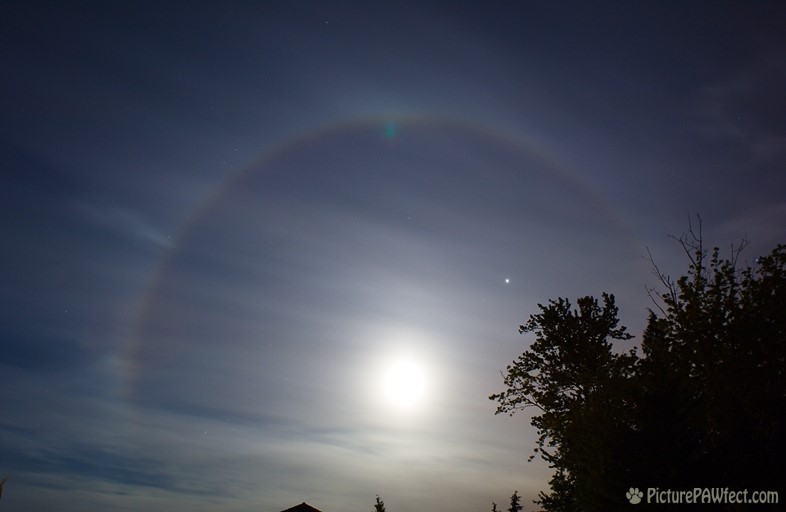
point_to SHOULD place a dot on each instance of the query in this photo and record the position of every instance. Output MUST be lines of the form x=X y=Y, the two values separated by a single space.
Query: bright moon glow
x=404 y=384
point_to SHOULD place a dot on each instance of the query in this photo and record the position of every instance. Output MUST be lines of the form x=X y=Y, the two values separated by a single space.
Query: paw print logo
x=634 y=495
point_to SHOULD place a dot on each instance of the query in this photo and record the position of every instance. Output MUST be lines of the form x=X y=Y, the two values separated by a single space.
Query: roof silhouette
x=303 y=507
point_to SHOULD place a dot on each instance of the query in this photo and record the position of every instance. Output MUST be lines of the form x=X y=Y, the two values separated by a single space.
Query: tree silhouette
x=712 y=380
x=379 y=506
x=515 y=502
x=702 y=406
x=576 y=382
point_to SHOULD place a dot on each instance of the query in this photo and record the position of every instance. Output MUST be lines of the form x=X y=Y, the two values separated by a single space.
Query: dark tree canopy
x=702 y=405
x=712 y=384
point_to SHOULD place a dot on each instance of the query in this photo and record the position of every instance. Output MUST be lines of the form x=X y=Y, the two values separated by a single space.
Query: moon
x=404 y=383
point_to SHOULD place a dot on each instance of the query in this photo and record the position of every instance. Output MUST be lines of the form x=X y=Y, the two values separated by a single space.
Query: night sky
x=227 y=228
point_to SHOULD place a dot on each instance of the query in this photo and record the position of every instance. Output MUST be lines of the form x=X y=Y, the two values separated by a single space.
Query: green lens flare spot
x=390 y=130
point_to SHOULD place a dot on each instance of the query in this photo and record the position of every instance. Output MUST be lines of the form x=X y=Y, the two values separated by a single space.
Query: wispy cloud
x=746 y=107
x=125 y=222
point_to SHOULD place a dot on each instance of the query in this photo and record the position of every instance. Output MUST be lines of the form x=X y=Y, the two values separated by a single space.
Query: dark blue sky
x=223 y=225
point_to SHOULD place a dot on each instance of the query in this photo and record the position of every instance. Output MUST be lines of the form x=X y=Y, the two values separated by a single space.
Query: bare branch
x=665 y=281
x=736 y=251
x=654 y=299
x=696 y=238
